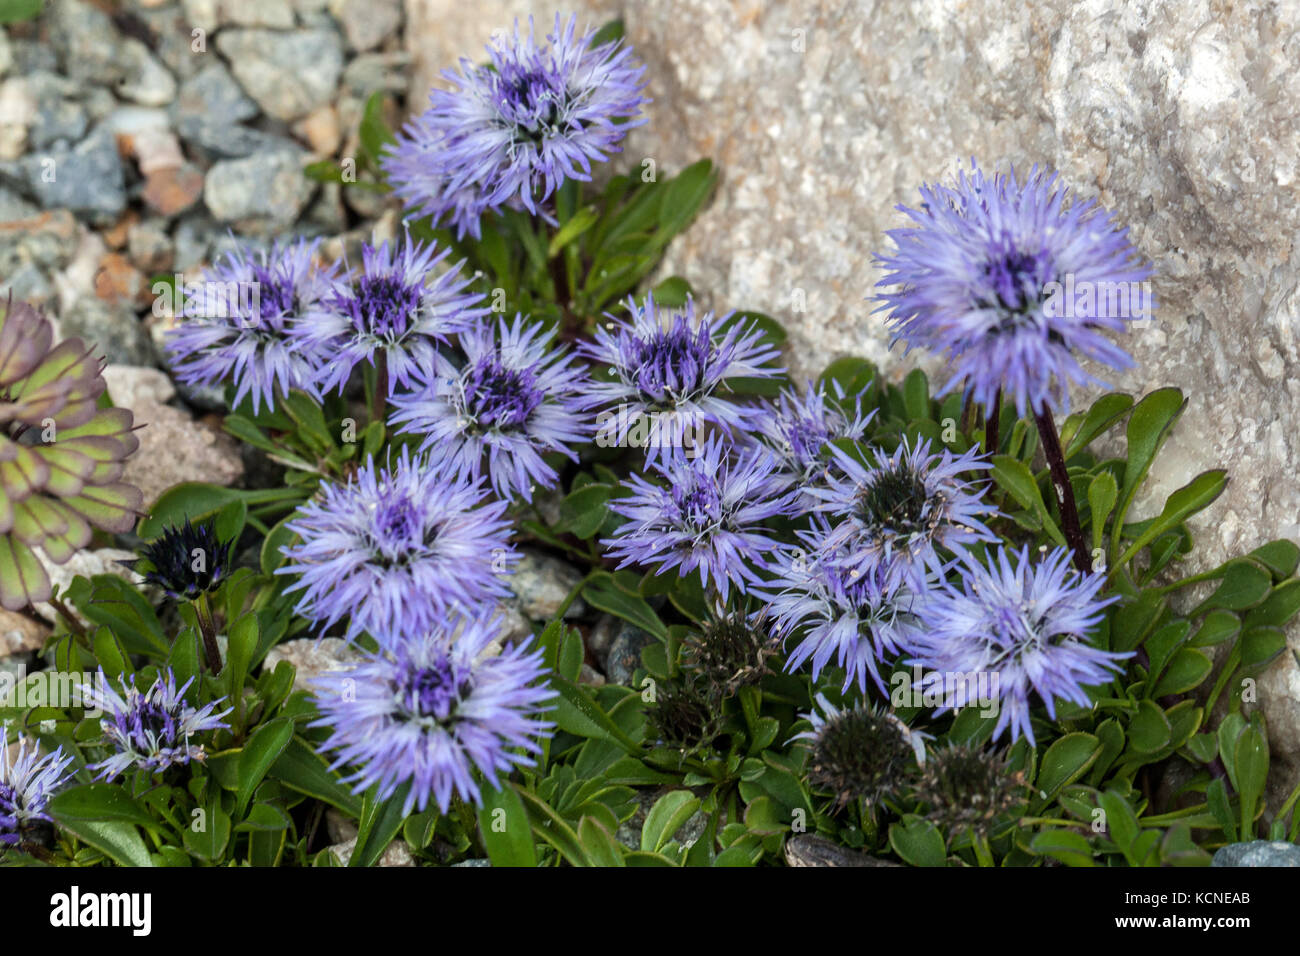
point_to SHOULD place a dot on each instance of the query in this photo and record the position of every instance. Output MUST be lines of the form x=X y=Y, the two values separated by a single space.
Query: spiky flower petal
x=28 y=779
x=1026 y=622
x=799 y=427
x=514 y=400
x=1014 y=283
x=436 y=711
x=707 y=516
x=396 y=547
x=150 y=730
x=240 y=323
x=514 y=129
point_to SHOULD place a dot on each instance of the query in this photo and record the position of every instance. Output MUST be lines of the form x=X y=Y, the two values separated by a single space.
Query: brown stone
x=119 y=281
x=172 y=190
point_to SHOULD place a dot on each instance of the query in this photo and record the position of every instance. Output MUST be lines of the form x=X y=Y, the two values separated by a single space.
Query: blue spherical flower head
x=241 y=321
x=859 y=621
x=149 y=730
x=514 y=400
x=396 y=547
x=396 y=310
x=1024 y=624
x=1014 y=283
x=667 y=374
x=899 y=516
x=28 y=779
x=799 y=427
x=707 y=516
x=514 y=130
x=436 y=711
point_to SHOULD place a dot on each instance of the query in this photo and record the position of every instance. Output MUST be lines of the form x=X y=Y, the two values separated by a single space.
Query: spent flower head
x=185 y=561
x=514 y=400
x=149 y=730
x=1026 y=621
x=395 y=547
x=513 y=130
x=859 y=753
x=436 y=711
x=980 y=279
x=240 y=323
x=968 y=787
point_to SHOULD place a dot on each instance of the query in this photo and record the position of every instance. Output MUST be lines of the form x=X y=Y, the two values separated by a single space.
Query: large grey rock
x=110 y=328
x=1257 y=853
x=1177 y=115
x=288 y=74
x=540 y=584
x=86 y=42
x=263 y=192
x=87 y=178
x=208 y=109
x=144 y=80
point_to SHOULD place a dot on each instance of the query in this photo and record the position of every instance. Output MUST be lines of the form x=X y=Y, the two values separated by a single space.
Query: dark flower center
x=1014 y=282
x=151 y=721
x=671 y=363
x=185 y=561
x=698 y=502
x=277 y=295
x=399 y=531
x=383 y=306
x=435 y=692
x=807 y=437
x=859 y=753
x=895 y=500
x=496 y=395
x=533 y=100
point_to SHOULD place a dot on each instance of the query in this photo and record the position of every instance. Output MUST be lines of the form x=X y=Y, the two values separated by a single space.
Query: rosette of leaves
x=61 y=455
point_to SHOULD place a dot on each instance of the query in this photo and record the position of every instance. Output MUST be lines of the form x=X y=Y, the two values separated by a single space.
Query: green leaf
x=14 y=11
x=1105 y=411
x=1102 y=494
x=505 y=829
x=672 y=292
x=571 y=230
x=1065 y=761
x=1121 y=823
x=918 y=842
x=1216 y=798
x=583 y=511
x=1185 y=671
x=916 y=395
x=374 y=132
x=260 y=753
x=578 y=714
x=1217 y=627
x=1281 y=557
x=191 y=499
x=551 y=827
x=210 y=842
x=114 y=838
x=1196 y=495
x=1064 y=845
x=378 y=825
x=1278 y=608
x=1251 y=759
x=604 y=594
x=99 y=801
x=1260 y=646
x=1014 y=477
x=1148 y=427
x=666 y=817
x=599 y=844
x=302 y=769
x=1244 y=585
x=1149 y=730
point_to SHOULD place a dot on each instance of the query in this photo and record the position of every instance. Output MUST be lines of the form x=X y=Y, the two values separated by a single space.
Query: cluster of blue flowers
x=894 y=561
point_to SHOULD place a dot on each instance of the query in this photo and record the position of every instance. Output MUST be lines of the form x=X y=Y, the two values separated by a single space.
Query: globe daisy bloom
x=391 y=315
x=899 y=516
x=436 y=711
x=185 y=561
x=1027 y=624
x=799 y=426
x=239 y=323
x=27 y=781
x=513 y=130
x=514 y=400
x=860 y=622
x=667 y=375
x=149 y=730
x=980 y=275
x=61 y=456
x=707 y=515
x=395 y=547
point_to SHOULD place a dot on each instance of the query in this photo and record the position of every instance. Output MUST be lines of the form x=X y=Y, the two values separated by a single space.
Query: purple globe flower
x=514 y=400
x=667 y=372
x=707 y=516
x=798 y=428
x=149 y=730
x=514 y=129
x=27 y=781
x=396 y=311
x=1013 y=283
x=396 y=547
x=240 y=323
x=434 y=709
x=897 y=517
x=1024 y=624
x=858 y=620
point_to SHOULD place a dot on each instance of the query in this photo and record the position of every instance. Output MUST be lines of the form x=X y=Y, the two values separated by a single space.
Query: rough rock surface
x=1178 y=115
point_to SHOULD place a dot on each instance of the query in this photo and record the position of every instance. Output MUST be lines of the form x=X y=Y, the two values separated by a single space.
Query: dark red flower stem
x=379 y=401
x=1064 y=493
x=993 y=425
x=208 y=628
